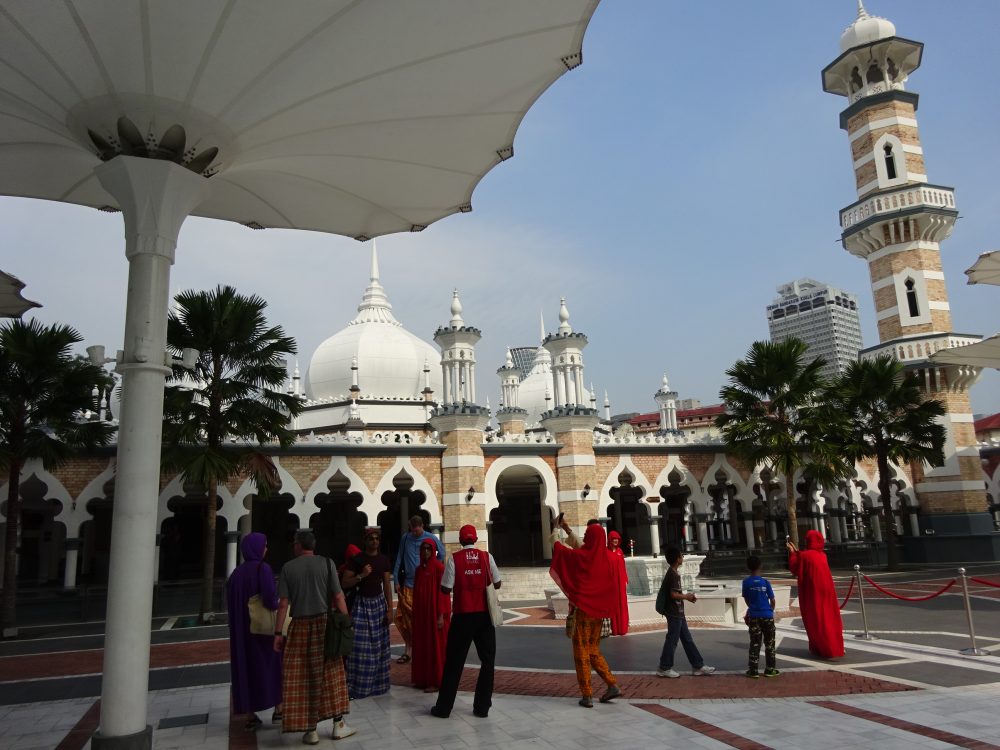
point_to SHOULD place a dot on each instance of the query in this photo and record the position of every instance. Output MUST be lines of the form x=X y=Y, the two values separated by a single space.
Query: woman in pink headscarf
x=817 y=597
x=619 y=615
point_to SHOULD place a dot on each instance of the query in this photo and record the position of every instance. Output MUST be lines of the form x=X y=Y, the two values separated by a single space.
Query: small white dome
x=390 y=358
x=865 y=30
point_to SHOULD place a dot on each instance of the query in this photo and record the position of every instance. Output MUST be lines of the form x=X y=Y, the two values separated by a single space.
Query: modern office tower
x=824 y=317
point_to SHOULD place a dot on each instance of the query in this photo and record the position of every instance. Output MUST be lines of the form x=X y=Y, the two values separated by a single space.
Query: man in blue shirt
x=407 y=561
x=759 y=596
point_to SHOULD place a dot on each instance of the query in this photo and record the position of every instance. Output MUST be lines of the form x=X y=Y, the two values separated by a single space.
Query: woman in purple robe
x=253 y=662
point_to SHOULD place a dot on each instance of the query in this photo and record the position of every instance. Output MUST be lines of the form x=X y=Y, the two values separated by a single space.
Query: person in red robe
x=586 y=577
x=431 y=618
x=817 y=597
x=619 y=615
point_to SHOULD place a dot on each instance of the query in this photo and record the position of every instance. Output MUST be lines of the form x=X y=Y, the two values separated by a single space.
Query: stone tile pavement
x=938 y=718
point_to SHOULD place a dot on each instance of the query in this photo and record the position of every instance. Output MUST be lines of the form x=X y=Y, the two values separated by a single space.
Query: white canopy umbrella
x=345 y=116
x=12 y=304
x=986 y=270
x=985 y=353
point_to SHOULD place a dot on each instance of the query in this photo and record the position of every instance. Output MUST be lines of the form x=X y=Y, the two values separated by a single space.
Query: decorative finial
x=564 y=326
x=354 y=362
x=665 y=385
x=295 y=372
x=541 y=321
x=373 y=276
x=427 y=367
x=510 y=359
x=862 y=13
x=607 y=401
x=456 y=311
x=593 y=393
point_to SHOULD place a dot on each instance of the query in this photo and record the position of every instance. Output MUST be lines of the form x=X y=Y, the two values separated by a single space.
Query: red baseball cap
x=467 y=533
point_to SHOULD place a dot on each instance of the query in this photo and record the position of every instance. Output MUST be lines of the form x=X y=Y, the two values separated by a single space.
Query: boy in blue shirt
x=759 y=596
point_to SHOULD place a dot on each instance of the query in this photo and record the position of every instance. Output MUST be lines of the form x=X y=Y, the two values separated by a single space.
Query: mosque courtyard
x=910 y=687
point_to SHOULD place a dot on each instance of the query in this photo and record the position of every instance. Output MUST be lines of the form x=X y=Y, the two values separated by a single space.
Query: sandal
x=253 y=724
x=276 y=717
x=404 y=659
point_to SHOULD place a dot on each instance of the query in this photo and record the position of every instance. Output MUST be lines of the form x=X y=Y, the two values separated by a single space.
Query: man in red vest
x=468 y=572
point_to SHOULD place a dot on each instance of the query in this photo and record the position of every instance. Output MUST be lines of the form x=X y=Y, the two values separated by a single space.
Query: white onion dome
x=390 y=359
x=865 y=30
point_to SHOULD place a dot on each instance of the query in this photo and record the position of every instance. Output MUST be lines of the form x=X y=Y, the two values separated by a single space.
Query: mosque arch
x=676 y=511
x=307 y=507
x=338 y=520
x=725 y=516
x=629 y=513
x=182 y=530
x=402 y=492
x=519 y=511
x=95 y=531
x=41 y=538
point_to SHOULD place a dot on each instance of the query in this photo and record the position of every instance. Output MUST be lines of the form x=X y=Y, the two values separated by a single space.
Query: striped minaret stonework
x=896 y=225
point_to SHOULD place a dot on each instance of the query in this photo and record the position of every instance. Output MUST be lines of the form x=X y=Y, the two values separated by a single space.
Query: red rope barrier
x=850 y=590
x=984 y=583
x=912 y=598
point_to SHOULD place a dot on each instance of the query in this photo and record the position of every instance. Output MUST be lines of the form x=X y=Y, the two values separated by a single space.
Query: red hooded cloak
x=619 y=616
x=429 y=640
x=586 y=575
x=817 y=598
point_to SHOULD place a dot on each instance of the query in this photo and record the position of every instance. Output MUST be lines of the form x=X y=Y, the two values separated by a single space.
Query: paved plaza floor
x=910 y=688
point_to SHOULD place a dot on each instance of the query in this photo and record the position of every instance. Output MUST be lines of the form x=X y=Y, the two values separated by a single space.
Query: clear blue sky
x=665 y=188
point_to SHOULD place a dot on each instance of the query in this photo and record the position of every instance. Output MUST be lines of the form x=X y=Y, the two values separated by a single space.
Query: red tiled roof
x=987 y=423
x=704 y=411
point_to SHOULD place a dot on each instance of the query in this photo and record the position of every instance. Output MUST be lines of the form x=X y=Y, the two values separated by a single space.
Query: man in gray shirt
x=314 y=688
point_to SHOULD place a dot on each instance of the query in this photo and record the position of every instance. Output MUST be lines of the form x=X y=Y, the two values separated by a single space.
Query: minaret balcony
x=916 y=350
x=864 y=222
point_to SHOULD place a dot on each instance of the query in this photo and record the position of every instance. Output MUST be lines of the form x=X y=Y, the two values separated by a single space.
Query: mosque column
x=156 y=558
x=654 y=533
x=748 y=530
x=232 y=542
x=72 y=553
x=701 y=520
x=835 y=517
x=575 y=464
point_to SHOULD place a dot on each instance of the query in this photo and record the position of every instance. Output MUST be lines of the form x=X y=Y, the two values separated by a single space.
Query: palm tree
x=44 y=391
x=888 y=420
x=218 y=418
x=771 y=418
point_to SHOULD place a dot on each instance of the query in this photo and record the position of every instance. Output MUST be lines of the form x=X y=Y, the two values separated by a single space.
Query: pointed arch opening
x=340 y=521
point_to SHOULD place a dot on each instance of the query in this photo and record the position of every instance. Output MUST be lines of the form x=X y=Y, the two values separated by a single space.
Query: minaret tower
x=460 y=422
x=666 y=399
x=511 y=417
x=897 y=224
x=571 y=421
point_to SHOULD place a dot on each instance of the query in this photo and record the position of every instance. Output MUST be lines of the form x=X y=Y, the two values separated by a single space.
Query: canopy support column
x=155 y=197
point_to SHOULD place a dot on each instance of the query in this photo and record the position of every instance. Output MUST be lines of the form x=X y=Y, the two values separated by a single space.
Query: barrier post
x=866 y=636
x=972 y=651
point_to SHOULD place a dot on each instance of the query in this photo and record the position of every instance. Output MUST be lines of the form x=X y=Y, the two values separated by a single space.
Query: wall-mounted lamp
x=586 y=491
x=470 y=494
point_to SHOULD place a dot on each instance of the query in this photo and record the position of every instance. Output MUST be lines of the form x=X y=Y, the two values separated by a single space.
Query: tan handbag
x=262 y=619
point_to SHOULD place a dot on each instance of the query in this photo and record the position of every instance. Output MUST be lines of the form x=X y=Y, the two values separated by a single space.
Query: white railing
x=920 y=349
x=897 y=200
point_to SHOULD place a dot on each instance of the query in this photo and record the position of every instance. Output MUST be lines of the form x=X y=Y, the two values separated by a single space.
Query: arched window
x=890 y=162
x=911 y=298
x=856 y=81
x=874 y=74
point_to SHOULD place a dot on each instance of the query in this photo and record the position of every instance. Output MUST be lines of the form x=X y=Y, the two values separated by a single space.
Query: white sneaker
x=341 y=730
x=703 y=670
x=667 y=673
x=311 y=738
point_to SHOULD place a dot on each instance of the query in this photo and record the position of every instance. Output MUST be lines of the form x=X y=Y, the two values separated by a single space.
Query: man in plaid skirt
x=314 y=689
